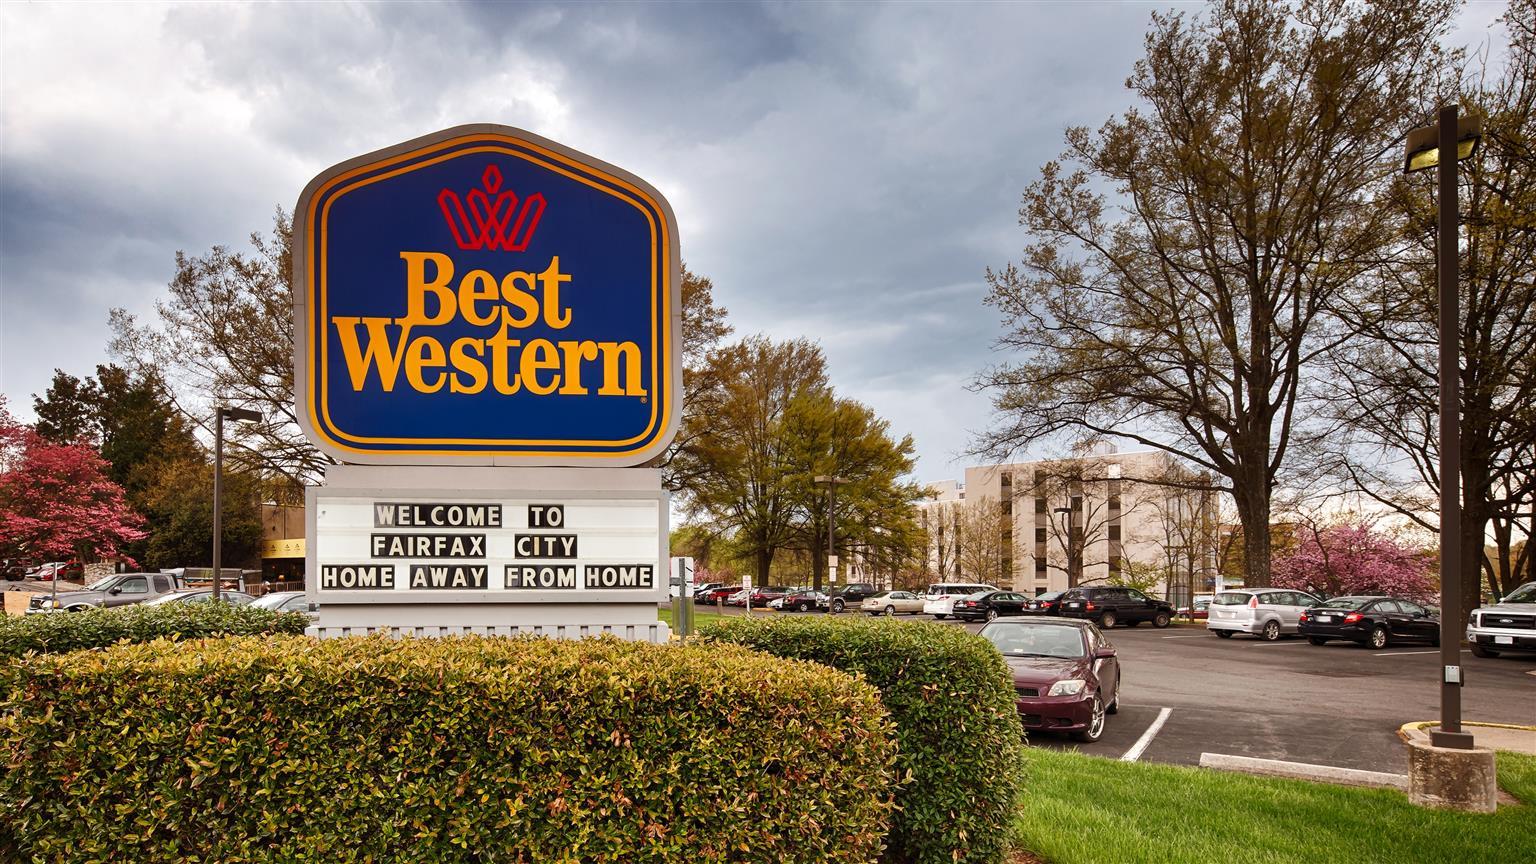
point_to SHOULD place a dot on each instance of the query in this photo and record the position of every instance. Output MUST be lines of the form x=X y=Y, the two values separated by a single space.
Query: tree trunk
x=1253 y=515
x=764 y=564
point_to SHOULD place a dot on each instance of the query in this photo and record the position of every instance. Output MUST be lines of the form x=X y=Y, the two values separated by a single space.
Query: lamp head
x=1422 y=150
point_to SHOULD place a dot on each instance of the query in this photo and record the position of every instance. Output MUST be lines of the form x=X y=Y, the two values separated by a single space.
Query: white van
x=939 y=599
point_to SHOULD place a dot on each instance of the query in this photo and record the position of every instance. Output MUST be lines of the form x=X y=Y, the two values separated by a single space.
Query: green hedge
x=291 y=749
x=952 y=698
x=97 y=628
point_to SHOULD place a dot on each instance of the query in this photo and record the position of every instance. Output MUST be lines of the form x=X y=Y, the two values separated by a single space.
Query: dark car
x=203 y=595
x=766 y=594
x=1110 y=605
x=1066 y=677
x=990 y=605
x=1372 y=621
x=850 y=596
x=1043 y=604
x=715 y=595
x=803 y=600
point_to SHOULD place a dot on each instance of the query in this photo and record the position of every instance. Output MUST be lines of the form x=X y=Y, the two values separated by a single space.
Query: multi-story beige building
x=1137 y=518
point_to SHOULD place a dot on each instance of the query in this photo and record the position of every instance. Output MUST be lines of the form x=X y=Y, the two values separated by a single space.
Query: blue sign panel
x=485 y=296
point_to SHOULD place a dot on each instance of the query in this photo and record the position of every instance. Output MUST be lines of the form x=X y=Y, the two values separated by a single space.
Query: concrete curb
x=1304 y=771
x=1499 y=732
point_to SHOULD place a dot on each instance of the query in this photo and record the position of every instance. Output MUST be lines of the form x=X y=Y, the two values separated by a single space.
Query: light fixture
x=1422 y=150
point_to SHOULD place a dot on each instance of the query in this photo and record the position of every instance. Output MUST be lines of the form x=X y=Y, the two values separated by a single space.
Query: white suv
x=939 y=599
x=1509 y=625
x=1267 y=613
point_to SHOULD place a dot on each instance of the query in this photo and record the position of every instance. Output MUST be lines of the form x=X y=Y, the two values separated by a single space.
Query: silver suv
x=1509 y=625
x=1267 y=613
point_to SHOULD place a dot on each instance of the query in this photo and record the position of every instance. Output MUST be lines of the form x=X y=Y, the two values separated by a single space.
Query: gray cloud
x=843 y=172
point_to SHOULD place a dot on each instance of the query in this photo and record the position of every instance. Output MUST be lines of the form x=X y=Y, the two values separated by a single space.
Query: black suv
x=1110 y=606
x=853 y=595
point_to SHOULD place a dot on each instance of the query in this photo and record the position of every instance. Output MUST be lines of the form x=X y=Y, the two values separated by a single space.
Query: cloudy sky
x=845 y=173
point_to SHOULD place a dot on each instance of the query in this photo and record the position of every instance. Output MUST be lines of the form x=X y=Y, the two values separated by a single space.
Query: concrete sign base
x=433 y=551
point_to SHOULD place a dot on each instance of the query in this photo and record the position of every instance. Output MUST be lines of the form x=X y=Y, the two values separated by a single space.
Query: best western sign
x=485 y=296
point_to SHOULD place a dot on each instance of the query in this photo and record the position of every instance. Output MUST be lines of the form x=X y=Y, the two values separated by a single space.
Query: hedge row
x=468 y=749
x=952 y=699
x=97 y=628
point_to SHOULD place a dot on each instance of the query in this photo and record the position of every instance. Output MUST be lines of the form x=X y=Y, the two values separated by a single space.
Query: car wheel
x=1224 y=634
x=991 y=614
x=1161 y=619
x=1095 y=729
x=1271 y=632
x=938 y=617
x=837 y=606
x=1107 y=620
x=1378 y=638
x=890 y=611
x=804 y=607
x=1480 y=651
x=1317 y=640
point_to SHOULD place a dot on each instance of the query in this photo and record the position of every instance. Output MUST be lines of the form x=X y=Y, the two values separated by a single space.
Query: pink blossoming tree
x=56 y=501
x=1354 y=558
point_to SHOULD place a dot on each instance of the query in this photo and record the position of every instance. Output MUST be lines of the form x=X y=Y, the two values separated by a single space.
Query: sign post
x=487 y=329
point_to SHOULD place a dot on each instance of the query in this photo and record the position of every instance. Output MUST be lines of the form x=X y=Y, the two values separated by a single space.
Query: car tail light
x=1090 y=606
x=1253 y=602
x=1303 y=616
x=1352 y=617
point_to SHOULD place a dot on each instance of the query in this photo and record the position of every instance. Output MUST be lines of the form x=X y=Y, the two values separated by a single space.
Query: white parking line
x=1406 y=653
x=1201 y=636
x=1140 y=746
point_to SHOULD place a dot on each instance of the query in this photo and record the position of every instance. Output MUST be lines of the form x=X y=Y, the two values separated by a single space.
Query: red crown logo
x=488 y=223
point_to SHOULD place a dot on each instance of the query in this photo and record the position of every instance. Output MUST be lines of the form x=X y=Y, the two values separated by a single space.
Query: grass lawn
x=700 y=617
x=1098 y=811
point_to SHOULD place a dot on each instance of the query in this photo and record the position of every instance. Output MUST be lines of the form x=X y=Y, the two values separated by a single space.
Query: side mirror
x=115 y=590
x=1102 y=653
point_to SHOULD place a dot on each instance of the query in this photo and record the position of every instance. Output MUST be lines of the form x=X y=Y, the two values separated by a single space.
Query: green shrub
x=466 y=749
x=952 y=698
x=97 y=628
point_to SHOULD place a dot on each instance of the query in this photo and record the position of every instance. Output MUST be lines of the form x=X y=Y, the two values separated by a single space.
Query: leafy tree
x=1176 y=286
x=1354 y=558
x=67 y=411
x=829 y=436
x=1385 y=388
x=56 y=500
x=139 y=426
x=738 y=456
x=178 y=503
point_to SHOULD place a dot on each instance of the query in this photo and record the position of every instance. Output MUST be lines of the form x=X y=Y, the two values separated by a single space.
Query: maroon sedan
x=1065 y=673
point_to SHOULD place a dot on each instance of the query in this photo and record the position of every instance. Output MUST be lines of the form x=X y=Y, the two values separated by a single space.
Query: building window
x=1039 y=535
x=1040 y=504
x=1114 y=532
x=1039 y=565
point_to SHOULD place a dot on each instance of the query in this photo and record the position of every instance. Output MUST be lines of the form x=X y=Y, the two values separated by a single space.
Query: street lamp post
x=831 y=482
x=1442 y=146
x=237 y=414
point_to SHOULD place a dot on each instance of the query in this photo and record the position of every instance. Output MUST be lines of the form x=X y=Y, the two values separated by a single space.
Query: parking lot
x=1337 y=704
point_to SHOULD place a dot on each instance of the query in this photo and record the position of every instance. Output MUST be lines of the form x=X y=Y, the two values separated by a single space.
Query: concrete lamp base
x=1452 y=778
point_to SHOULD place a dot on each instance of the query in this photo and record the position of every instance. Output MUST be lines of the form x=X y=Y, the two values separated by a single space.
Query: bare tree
x=986 y=542
x=1384 y=383
x=1181 y=261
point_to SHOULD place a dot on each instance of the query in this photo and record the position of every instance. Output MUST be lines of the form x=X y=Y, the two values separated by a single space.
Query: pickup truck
x=122 y=589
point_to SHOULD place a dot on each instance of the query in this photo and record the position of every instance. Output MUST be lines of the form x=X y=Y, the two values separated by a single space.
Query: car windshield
x=1342 y=603
x=105 y=582
x=1232 y=598
x=271 y=601
x=1046 y=640
x=881 y=594
x=1524 y=594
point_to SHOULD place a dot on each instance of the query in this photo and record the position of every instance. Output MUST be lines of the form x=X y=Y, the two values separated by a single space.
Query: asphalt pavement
x=1337 y=704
